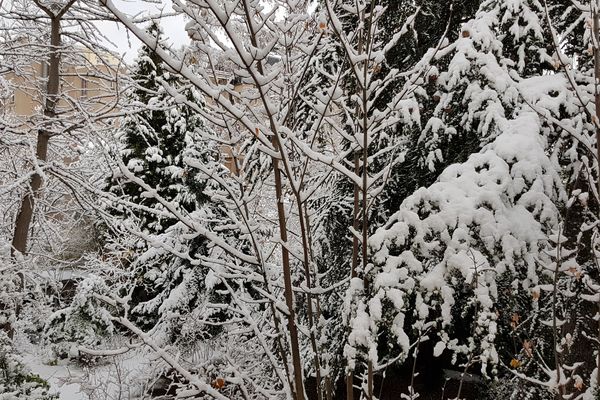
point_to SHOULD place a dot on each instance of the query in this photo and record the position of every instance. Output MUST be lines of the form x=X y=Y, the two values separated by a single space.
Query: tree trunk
x=24 y=217
x=287 y=279
x=596 y=33
x=355 y=256
x=596 y=20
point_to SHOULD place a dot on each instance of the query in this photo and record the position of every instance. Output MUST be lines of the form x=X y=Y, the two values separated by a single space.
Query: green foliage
x=154 y=142
x=402 y=141
x=16 y=380
x=87 y=321
x=168 y=288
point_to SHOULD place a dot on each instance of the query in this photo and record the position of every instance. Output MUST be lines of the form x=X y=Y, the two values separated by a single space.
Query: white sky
x=126 y=43
x=173 y=27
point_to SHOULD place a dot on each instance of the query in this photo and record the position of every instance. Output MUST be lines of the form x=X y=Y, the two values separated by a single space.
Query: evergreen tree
x=428 y=258
x=16 y=379
x=154 y=140
x=423 y=23
x=169 y=282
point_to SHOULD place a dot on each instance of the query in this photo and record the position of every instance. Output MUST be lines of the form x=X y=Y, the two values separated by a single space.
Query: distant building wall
x=92 y=85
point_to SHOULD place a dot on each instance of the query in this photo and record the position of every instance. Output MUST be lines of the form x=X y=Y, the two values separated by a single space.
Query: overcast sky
x=174 y=27
x=127 y=44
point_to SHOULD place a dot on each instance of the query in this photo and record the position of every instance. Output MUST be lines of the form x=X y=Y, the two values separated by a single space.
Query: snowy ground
x=58 y=376
x=110 y=380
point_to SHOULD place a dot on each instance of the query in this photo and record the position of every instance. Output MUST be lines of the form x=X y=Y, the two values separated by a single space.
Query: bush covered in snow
x=87 y=321
x=16 y=381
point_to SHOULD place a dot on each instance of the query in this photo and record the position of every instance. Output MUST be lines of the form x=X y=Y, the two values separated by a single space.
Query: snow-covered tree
x=40 y=43
x=474 y=141
x=168 y=285
x=468 y=271
x=152 y=142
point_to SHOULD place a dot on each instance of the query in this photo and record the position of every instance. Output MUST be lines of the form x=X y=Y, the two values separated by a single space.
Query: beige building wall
x=231 y=161
x=91 y=86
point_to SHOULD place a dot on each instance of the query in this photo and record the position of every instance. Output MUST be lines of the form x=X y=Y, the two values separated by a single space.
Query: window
x=84 y=87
